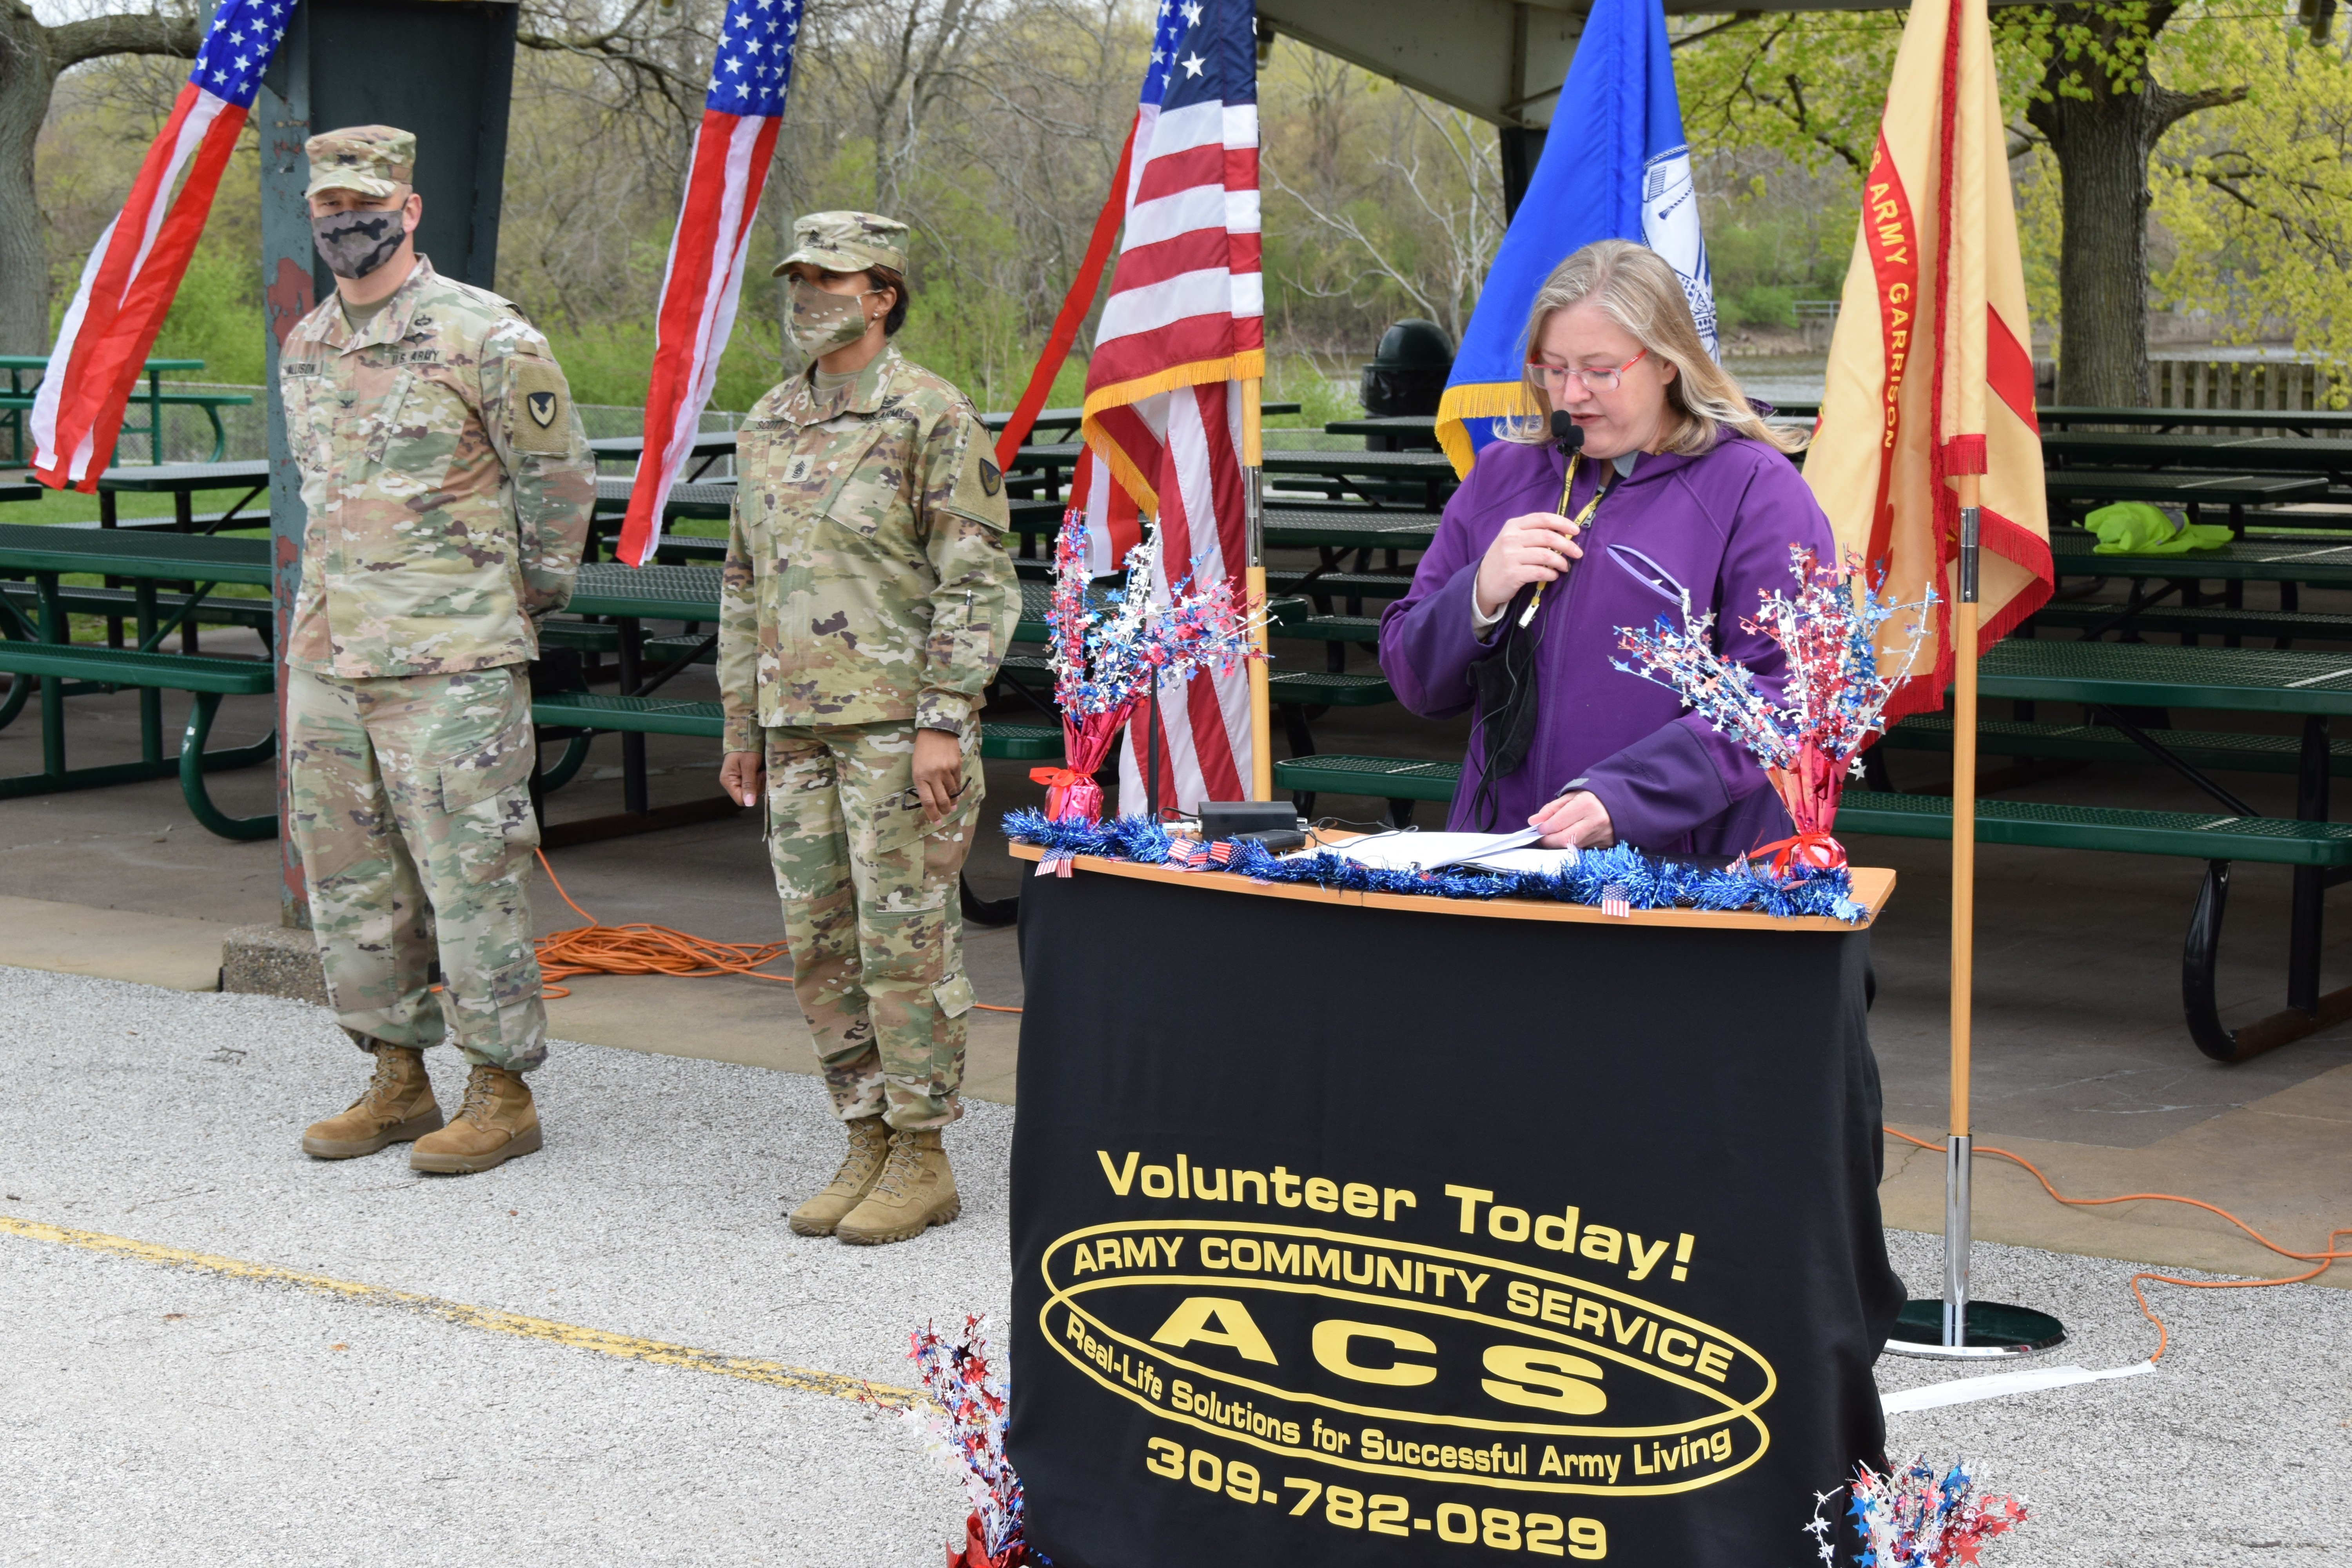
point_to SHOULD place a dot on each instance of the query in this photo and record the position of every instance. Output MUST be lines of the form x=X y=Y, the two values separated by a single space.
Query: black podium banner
x=1361 y=1235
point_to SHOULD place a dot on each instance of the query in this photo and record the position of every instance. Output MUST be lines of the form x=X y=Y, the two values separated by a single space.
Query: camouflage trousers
x=410 y=802
x=868 y=887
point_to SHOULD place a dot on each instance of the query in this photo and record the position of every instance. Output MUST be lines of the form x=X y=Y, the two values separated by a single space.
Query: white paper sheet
x=1430 y=851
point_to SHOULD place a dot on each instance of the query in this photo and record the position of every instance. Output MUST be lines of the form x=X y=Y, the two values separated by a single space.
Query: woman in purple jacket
x=1679 y=488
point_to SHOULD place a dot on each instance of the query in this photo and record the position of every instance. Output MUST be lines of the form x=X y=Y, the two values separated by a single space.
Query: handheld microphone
x=1568 y=435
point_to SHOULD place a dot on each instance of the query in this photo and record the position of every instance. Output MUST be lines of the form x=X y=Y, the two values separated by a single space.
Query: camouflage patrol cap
x=374 y=160
x=848 y=242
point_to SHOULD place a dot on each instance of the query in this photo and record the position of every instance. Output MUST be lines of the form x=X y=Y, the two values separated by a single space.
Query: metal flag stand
x=1261 y=780
x=1953 y=1327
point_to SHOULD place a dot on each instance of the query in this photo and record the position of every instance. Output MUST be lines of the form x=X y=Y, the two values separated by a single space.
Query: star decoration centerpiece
x=1809 y=735
x=1109 y=650
x=1917 y=1517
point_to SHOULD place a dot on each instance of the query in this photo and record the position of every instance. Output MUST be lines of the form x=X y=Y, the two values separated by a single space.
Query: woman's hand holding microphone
x=1539 y=548
x=1536 y=548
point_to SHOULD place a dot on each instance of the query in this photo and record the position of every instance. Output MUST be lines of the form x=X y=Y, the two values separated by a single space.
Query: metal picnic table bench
x=17 y=402
x=41 y=646
x=2065 y=417
x=2193 y=489
x=1377 y=478
x=182 y=482
x=2289 y=562
x=710 y=446
x=2302 y=421
x=1068 y=419
x=706 y=501
x=1392 y=432
x=2110 y=678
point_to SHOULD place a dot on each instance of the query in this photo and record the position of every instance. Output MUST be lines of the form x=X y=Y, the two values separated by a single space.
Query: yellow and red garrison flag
x=1931 y=369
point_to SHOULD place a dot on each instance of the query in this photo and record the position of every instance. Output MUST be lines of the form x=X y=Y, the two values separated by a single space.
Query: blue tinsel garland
x=1643 y=882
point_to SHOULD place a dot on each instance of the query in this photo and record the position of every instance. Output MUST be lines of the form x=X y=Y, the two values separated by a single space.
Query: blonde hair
x=1635 y=288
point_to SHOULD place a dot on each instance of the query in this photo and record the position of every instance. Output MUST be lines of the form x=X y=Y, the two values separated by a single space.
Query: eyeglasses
x=1558 y=375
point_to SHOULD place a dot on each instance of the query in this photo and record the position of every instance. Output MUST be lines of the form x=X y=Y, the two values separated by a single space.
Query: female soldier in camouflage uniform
x=868 y=599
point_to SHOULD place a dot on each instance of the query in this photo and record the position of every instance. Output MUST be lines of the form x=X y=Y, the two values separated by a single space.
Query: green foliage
x=1767 y=251
x=1323 y=393
x=2251 y=191
x=216 y=316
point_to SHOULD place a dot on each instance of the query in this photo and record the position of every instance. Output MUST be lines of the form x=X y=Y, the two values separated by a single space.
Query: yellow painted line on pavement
x=624 y=1347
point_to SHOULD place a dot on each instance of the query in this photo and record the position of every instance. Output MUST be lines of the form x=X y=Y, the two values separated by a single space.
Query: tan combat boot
x=497 y=1122
x=397 y=1107
x=914 y=1191
x=869 y=1146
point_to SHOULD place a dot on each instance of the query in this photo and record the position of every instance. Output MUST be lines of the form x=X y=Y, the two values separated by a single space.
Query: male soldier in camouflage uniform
x=448 y=484
x=868 y=599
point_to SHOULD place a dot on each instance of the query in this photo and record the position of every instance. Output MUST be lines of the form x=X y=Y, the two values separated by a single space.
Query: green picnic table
x=184 y=482
x=2289 y=562
x=2065 y=417
x=2304 y=421
x=19 y=487
x=632 y=595
x=1392 y=432
x=2112 y=680
x=17 y=403
x=2182 y=450
x=707 y=500
x=2193 y=491
x=43 y=647
x=1068 y=419
x=710 y=446
x=1376 y=477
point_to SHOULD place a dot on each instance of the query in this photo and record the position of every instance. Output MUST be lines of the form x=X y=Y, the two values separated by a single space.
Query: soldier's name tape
x=624 y=1347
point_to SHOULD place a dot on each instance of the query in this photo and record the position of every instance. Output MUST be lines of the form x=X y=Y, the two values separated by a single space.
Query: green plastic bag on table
x=2137 y=528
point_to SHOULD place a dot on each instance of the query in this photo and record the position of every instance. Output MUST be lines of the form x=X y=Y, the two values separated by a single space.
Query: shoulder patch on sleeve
x=538 y=408
x=979 y=490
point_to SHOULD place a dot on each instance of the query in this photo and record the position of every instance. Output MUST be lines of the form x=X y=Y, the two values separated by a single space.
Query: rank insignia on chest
x=541 y=406
x=797 y=471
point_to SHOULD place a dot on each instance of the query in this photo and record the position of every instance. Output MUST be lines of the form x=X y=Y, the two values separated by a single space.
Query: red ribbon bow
x=1069 y=793
x=1818 y=850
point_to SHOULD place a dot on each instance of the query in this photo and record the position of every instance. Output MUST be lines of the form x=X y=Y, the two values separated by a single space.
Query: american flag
x=1185 y=321
x=136 y=265
x=750 y=72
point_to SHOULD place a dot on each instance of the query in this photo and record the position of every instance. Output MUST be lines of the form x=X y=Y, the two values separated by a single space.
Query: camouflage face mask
x=823 y=322
x=354 y=244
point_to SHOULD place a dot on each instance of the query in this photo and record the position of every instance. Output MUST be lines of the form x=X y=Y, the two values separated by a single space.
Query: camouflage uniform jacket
x=867 y=576
x=447 y=477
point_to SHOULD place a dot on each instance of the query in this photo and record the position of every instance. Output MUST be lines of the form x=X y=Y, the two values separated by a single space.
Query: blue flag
x=1614 y=166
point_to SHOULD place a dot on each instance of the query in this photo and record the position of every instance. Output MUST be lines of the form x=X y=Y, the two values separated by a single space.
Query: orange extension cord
x=2327 y=1259
x=599 y=949
x=640 y=949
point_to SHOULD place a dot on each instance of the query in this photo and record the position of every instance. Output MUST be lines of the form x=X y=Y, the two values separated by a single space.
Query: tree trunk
x=2103 y=143
x=27 y=77
x=31 y=58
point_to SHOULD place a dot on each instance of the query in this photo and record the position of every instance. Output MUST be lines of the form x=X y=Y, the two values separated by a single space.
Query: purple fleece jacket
x=1720 y=525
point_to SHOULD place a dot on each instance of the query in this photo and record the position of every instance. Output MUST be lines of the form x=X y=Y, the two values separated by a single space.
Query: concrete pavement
x=245 y=1417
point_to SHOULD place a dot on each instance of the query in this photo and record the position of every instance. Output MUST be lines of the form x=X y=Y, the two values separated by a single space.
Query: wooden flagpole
x=1261 y=779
